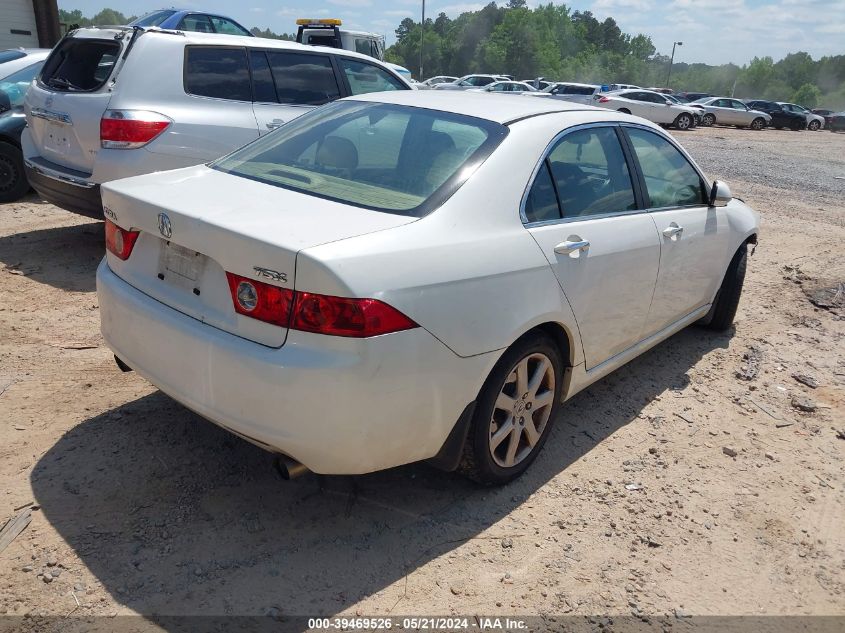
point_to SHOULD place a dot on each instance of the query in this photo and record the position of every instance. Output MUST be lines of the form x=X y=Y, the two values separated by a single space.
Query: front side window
x=303 y=79
x=362 y=46
x=364 y=78
x=378 y=156
x=215 y=71
x=671 y=181
x=222 y=25
x=591 y=174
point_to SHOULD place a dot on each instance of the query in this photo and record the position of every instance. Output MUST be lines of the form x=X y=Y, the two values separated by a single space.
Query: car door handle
x=672 y=230
x=567 y=247
x=272 y=125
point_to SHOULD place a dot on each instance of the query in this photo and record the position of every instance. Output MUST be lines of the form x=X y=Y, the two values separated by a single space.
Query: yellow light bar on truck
x=319 y=21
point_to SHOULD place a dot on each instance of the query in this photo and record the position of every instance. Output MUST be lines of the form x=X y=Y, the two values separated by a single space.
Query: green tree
x=807 y=95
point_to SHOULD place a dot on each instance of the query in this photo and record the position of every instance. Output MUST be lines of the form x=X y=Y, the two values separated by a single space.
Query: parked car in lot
x=815 y=122
x=574 y=92
x=615 y=87
x=726 y=111
x=538 y=83
x=439 y=79
x=649 y=105
x=470 y=81
x=692 y=96
x=781 y=117
x=506 y=87
x=92 y=120
x=824 y=113
x=328 y=291
x=837 y=122
x=13 y=183
x=191 y=20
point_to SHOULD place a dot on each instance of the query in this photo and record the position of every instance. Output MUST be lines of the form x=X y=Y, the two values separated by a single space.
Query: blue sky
x=713 y=31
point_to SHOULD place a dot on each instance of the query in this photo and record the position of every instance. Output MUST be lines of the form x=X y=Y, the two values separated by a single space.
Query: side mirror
x=720 y=194
x=668 y=102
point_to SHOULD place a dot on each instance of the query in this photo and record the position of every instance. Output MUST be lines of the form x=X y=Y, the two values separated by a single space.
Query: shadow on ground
x=63 y=257
x=176 y=516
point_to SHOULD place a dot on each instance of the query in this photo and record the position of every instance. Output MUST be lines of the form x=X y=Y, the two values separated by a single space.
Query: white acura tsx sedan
x=413 y=276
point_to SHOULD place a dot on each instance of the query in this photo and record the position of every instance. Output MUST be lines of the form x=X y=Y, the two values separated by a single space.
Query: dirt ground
x=674 y=486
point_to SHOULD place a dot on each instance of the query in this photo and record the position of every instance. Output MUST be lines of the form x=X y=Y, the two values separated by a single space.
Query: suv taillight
x=129 y=129
x=310 y=312
x=120 y=242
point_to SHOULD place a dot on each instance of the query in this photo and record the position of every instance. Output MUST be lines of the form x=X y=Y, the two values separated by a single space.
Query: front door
x=582 y=212
x=694 y=237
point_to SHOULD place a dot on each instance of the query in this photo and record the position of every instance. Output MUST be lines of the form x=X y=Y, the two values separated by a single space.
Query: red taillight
x=129 y=129
x=120 y=242
x=260 y=301
x=310 y=312
x=603 y=99
x=339 y=316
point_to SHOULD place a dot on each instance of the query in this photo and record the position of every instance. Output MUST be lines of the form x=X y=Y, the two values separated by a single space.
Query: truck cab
x=327 y=32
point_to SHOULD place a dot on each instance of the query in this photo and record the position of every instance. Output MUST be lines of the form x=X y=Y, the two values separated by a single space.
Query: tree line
x=558 y=43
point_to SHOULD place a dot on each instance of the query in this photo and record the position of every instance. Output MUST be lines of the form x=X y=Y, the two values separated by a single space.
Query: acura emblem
x=164 y=226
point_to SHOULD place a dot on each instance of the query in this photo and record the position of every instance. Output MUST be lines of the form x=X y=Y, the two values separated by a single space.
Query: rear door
x=65 y=104
x=694 y=238
x=582 y=211
x=638 y=105
x=288 y=84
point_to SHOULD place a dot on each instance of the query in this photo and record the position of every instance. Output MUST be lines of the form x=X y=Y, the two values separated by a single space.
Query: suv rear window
x=385 y=157
x=218 y=72
x=80 y=65
x=577 y=90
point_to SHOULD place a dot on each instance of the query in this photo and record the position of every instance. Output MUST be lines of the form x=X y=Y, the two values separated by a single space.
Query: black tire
x=813 y=126
x=796 y=127
x=708 y=120
x=684 y=121
x=722 y=314
x=758 y=124
x=13 y=182
x=624 y=110
x=478 y=462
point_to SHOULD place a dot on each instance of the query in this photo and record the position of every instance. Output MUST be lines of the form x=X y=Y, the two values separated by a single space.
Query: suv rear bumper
x=65 y=191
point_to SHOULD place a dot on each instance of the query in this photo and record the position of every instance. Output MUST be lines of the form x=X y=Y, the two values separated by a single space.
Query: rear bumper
x=64 y=192
x=339 y=406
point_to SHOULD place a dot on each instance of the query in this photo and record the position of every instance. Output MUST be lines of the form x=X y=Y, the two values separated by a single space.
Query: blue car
x=190 y=20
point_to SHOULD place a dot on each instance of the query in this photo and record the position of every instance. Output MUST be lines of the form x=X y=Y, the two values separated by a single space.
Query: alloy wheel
x=522 y=410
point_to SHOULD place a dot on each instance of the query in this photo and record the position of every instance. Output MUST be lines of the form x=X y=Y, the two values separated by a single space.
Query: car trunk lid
x=197 y=224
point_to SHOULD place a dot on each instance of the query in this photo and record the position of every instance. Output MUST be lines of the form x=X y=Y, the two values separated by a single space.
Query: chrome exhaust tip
x=289 y=468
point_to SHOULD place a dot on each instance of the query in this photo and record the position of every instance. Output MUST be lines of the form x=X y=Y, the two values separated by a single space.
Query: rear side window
x=365 y=77
x=222 y=25
x=670 y=179
x=541 y=204
x=196 y=22
x=303 y=79
x=577 y=90
x=214 y=71
x=80 y=65
x=153 y=19
x=591 y=174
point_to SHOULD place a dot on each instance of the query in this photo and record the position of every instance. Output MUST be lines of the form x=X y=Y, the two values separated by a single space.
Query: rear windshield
x=80 y=65
x=153 y=19
x=385 y=157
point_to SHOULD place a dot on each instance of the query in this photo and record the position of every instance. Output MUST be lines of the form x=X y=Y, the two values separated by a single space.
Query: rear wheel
x=684 y=121
x=625 y=110
x=813 y=126
x=758 y=124
x=723 y=311
x=708 y=120
x=13 y=182
x=514 y=411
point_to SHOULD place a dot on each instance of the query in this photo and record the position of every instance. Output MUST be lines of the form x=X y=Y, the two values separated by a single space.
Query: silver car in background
x=726 y=111
x=506 y=87
x=470 y=81
x=574 y=92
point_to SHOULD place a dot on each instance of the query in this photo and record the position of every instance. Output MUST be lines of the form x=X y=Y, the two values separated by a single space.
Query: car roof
x=222 y=39
x=496 y=108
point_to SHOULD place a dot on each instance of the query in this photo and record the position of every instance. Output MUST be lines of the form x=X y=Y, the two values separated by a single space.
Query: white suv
x=117 y=102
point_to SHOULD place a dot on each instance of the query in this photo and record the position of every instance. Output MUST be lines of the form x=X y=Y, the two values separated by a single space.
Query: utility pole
x=669 y=74
x=422 y=39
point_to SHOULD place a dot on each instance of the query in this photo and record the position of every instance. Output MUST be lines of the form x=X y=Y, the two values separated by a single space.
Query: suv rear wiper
x=61 y=82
